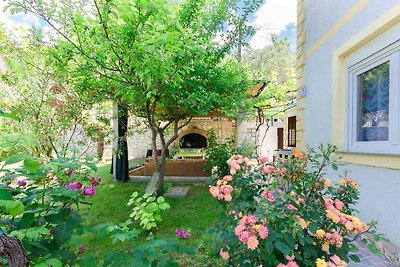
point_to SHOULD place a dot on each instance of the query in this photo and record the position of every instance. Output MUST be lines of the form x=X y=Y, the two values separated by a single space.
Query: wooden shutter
x=280 y=138
x=292 y=131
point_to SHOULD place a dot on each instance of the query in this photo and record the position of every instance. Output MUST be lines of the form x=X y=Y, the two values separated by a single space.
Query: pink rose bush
x=288 y=213
x=249 y=230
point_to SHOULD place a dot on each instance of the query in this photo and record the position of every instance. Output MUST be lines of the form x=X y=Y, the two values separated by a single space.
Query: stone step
x=177 y=192
x=171 y=179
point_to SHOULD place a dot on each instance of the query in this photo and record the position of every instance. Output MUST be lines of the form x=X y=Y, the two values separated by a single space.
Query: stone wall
x=139 y=140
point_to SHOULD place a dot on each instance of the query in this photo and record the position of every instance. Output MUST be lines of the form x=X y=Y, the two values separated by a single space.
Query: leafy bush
x=288 y=214
x=40 y=202
x=217 y=155
x=147 y=209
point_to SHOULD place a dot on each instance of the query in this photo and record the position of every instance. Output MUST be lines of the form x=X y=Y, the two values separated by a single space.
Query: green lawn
x=196 y=213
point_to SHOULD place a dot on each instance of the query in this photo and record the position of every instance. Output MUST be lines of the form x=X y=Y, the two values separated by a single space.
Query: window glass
x=373 y=111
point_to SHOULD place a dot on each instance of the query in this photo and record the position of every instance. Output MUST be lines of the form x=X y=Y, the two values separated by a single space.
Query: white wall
x=267 y=138
x=379 y=188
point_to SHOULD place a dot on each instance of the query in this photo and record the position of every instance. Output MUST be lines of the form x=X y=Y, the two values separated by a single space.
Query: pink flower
x=182 y=234
x=214 y=191
x=339 y=204
x=251 y=219
x=52 y=231
x=81 y=250
x=291 y=207
x=262 y=159
x=252 y=242
x=72 y=186
x=22 y=183
x=228 y=198
x=227 y=189
x=268 y=195
x=262 y=231
x=224 y=255
x=90 y=191
x=69 y=172
x=292 y=264
x=94 y=181
x=268 y=169
x=228 y=178
x=239 y=229
x=244 y=236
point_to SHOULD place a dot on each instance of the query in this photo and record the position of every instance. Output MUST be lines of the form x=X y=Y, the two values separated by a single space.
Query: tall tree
x=49 y=110
x=159 y=58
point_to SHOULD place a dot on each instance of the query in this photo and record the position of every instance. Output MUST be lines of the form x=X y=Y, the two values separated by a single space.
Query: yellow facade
x=385 y=22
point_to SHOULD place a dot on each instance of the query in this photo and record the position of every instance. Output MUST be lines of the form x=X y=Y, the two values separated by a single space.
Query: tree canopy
x=159 y=58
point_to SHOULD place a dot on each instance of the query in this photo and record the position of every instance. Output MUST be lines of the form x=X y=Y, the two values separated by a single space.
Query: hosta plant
x=288 y=214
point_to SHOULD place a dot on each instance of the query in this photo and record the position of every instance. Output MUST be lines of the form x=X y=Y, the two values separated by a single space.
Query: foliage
x=40 y=202
x=217 y=155
x=147 y=209
x=118 y=232
x=46 y=105
x=288 y=214
x=155 y=252
x=274 y=64
x=159 y=58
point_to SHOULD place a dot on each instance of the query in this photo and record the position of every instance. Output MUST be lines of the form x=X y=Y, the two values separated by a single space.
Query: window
x=374 y=101
x=292 y=131
x=373 y=113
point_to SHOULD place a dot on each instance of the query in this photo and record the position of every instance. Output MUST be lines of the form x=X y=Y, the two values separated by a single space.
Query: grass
x=196 y=213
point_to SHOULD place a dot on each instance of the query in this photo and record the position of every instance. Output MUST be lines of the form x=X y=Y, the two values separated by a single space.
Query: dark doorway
x=193 y=140
x=280 y=138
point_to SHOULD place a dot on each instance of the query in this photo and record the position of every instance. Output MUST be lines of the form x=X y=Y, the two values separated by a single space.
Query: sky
x=274 y=17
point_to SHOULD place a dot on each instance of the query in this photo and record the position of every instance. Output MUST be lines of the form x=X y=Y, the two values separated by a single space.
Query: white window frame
x=389 y=54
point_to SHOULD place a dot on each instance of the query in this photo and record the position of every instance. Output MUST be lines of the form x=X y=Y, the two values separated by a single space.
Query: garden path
x=368 y=259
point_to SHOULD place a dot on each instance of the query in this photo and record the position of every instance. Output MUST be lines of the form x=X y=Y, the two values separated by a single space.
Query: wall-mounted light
x=303 y=91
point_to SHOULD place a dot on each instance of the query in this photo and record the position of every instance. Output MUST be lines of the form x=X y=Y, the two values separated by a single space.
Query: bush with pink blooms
x=288 y=213
x=40 y=203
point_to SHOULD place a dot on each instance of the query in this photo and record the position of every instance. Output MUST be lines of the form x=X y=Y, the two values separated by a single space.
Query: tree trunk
x=13 y=252
x=161 y=171
x=122 y=163
x=100 y=148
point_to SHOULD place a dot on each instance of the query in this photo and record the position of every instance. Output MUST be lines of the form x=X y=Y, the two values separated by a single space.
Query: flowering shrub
x=40 y=202
x=288 y=214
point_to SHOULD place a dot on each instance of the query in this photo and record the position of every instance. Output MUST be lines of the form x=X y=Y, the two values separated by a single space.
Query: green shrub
x=147 y=209
x=40 y=202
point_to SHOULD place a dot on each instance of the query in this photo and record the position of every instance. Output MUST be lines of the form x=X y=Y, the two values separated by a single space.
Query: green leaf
x=91 y=165
x=164 y=206
x=160 y=200
x=13 y=207
x=62 y=233
x=31 y=165
x=354 y=258
x=373 y=249
x=5 y=194
x=8 y=115
x=50 y=262
x=283 y=247
x=152 y=206
x=334 y=166
x=15 y=159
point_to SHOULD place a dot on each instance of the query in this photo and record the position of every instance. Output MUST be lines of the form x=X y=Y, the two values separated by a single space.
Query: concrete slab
x=172 y=179
x=177 y=192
